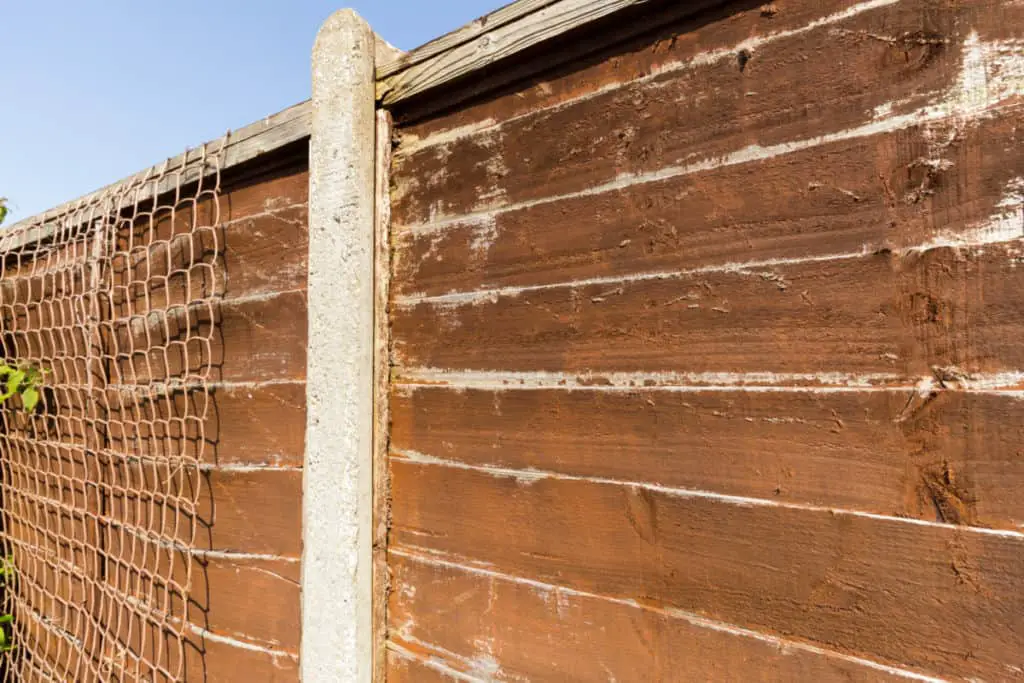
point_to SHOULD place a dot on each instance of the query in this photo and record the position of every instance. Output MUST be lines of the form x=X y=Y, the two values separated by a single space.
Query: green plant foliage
x=22 y=381
x=3 y=209
x=6 y=620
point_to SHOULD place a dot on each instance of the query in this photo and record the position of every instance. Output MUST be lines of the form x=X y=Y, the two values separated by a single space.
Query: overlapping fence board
x=705 y=346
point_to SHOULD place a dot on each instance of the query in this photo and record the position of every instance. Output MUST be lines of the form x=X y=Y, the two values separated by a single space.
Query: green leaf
x=14 y=381
x=30 y=397
x=6 y=369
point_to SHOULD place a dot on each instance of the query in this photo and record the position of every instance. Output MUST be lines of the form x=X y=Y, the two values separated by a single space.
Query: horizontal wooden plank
x=406 y=668
x=867 y=194
x=212 y=660
x=947 y=456
x=875 y=588
x=266 y=253
x=252 y=600
x=253 y=511
x=260 y=255
x=884 y=313
x=262 y=424
x=700 y=116
x=515 y=630
x=714 y=33
x=254 y=339
x=511 y=13
x=257 y=511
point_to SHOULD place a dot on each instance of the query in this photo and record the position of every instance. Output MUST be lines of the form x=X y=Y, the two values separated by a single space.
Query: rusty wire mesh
x=116 y=300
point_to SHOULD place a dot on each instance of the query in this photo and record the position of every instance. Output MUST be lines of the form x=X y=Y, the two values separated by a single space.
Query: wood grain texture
x=511 y=30
x=406 y=668
x=844 y=197
x=722 y=28
x=254 y=339
x=251 y=511
x=882 y=589
x=255 y=601
x=212 y=660
x=488 y=626
x=698 y=116
x=947 y=456
x=499 y=18
x=883 y=313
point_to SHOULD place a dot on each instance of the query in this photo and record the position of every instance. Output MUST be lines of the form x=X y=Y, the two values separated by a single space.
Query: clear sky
x=94 y=90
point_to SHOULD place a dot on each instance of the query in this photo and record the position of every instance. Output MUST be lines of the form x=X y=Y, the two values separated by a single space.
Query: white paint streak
x=710 y=58
x=1005 y=225
x=990 y=75
x=662 y=381
x=695 y=620
x=534 y=476
x=747 y=268
x=433 y=663
x=242 y=645
x=207 y=467
x=230 y=555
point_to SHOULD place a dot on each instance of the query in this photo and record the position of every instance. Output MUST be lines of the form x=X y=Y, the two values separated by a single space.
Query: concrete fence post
x=337 y=584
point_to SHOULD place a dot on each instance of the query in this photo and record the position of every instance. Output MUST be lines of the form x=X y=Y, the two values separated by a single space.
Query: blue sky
x=96 y=90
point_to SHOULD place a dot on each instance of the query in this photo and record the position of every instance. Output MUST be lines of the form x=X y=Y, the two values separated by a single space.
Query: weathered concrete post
x=337 y=644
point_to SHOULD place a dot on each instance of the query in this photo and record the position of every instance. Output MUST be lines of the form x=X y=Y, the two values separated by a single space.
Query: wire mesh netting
x=114 y=300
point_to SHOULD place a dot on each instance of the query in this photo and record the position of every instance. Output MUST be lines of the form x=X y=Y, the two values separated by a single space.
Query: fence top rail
x=499 y=35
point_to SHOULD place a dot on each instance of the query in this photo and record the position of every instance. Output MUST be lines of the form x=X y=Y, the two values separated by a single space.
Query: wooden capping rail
x=498 y=35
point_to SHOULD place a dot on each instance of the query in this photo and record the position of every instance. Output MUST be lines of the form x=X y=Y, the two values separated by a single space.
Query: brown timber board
x=699 y=115
x=883 y=589
x=867 y=193
x=883 y=313
x=947 y=456
x=525 y=631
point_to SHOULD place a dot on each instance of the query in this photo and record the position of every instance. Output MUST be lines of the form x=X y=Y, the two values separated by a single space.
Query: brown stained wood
x=255 y=601
x=403 y=668
x=720 y=29
x=844 y=197
x=248 y=340
x=701 y=114
x=884 y=589
x=529 y=633
x=240 y=511
x=281 y=190
x=257 y=511
x=208 y=660
x=946 y=457
x=261 y=424
x=266 y=253
x=252 y=601
x=883 y=313
x=537 y=22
